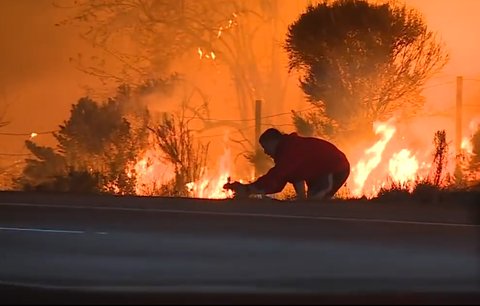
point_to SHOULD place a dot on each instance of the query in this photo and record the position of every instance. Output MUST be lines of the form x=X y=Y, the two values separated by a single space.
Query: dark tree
x=95 y=144
x=363 y=61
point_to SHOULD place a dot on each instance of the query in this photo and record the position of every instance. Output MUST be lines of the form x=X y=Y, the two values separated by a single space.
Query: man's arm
x=272 y=182
x=277 y=177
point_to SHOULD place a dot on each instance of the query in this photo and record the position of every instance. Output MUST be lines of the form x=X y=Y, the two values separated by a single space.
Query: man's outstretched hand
x=238 y=188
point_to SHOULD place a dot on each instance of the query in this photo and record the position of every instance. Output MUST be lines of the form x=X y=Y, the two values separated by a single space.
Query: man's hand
x=238 y=188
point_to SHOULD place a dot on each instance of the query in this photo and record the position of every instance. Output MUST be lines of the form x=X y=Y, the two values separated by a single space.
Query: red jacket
x=300 y=158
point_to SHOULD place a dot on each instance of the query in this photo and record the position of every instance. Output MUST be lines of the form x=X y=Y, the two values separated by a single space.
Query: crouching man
x=301 y=161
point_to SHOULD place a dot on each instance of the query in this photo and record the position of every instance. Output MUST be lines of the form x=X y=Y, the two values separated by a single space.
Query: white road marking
x=40 y=230
x=238 y=214
x=43 y=230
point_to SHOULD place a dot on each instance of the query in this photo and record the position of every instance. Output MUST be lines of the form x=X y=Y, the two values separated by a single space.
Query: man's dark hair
x=270 y=134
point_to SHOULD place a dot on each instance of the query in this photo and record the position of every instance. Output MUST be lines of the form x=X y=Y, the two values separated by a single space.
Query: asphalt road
x=87 y=249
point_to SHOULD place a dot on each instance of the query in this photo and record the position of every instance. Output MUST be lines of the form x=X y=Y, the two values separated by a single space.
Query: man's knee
x=327 y=186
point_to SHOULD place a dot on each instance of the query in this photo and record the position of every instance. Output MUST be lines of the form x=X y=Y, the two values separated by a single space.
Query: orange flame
x=373 y=170
x=151 y=171
x=403 y=167
x=231 y=23
x=373 y=157
x=202 y=54
x=211 y=186
x=467 y=146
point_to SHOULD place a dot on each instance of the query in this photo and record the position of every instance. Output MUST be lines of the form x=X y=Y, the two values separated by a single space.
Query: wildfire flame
x=467 y=145
x=151 y=172
x=211 y=186
x=231 y=23
x=403 y=167
x=202 y=54
x=373 y=170
x=373 y=157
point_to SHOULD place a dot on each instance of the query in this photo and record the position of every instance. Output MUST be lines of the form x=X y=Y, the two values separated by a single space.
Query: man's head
x=269 y=141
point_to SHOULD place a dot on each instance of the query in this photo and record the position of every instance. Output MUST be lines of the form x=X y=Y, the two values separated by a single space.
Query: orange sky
x=457 y=23
x=39 y=84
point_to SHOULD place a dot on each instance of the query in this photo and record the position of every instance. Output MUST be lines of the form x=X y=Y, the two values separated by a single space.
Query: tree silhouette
x=362 y=61
x=439 y=157
x=98 y=140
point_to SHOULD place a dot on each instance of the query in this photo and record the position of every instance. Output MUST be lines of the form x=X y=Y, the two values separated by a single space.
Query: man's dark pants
x=325 y=186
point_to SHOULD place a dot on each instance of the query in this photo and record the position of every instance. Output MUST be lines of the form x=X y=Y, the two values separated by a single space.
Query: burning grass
x=428 y=188
x=382 y=173
x=391 y=168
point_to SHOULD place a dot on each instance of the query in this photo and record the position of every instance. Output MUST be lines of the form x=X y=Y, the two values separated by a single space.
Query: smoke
x=37 y=81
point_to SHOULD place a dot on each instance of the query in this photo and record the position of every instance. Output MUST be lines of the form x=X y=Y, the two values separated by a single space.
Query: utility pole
x=258 y=125
x=458 y=118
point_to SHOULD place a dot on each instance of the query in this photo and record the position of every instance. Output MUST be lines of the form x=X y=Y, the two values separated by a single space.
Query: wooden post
x=458 y=118
x=258 y=125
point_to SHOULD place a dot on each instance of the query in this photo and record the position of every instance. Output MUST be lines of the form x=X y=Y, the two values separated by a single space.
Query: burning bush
x=424 y=189
x=188 y=157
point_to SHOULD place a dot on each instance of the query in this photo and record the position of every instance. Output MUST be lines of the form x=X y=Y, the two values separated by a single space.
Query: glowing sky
x=38 y=83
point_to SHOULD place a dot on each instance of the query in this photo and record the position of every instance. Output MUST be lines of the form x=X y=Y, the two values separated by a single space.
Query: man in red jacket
x=298 y=160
